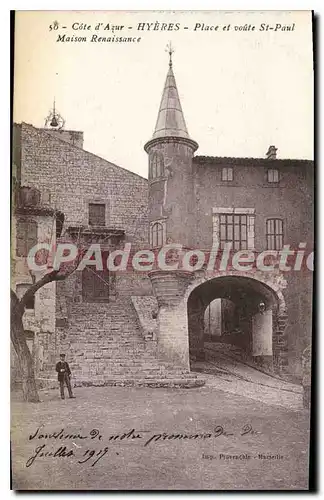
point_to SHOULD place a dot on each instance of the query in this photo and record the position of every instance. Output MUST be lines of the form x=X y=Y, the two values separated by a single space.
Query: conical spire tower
x=170 y=121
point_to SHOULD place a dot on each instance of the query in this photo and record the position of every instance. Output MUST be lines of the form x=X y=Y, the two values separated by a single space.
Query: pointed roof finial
x=170 y=50
x=170 y=121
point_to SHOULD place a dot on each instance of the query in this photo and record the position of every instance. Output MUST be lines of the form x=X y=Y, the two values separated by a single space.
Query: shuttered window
x=273 y=175
x=97 y=214
x=26 y=237
x=274 y=234
x=227 y=174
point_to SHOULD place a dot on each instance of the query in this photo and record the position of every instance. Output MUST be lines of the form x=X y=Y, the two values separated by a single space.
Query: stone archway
x=257 y=313
x=178 y=291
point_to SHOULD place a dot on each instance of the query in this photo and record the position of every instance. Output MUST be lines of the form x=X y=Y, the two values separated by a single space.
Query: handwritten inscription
x=93 y=454
x=62 y=451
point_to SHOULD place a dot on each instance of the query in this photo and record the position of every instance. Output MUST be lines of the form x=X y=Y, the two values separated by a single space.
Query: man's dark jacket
x=62 y=365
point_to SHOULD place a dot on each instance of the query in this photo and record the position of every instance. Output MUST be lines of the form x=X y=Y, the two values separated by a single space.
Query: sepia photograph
x=162 y=248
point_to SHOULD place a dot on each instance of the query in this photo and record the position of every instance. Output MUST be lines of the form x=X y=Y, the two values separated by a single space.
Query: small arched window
x=274 y=234
x=160 y=166
x=157 y=166
x=157 y=234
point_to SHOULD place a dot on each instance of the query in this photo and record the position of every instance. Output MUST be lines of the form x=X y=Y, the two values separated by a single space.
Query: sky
x=240 y=89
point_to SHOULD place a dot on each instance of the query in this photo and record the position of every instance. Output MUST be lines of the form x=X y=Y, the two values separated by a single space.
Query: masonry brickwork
x=39 y=321
x=76 y=178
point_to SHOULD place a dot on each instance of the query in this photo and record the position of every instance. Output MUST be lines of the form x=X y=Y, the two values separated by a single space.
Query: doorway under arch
x=237 y=311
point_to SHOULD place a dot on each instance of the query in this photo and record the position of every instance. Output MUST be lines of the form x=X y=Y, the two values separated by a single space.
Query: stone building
x=127 y=327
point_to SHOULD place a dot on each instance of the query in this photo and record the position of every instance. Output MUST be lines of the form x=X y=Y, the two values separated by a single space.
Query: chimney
x=272 y=153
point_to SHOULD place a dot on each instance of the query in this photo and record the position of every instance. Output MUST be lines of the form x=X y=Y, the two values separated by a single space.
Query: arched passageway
x=235 y=310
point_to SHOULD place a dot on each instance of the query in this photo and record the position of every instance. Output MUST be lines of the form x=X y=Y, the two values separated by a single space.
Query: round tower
x=170 y=152
x=171 y=216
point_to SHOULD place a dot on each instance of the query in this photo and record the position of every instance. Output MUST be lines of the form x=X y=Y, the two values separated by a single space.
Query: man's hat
x=62 y=355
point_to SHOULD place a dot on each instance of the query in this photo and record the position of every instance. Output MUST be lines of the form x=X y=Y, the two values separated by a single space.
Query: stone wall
x=291 y=199
x=41 y=319
x=73 y=137
x=76 y=178
x=43 y=315
x=147 y=311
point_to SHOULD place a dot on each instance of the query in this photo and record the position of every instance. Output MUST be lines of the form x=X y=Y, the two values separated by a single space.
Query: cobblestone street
x=230 y=459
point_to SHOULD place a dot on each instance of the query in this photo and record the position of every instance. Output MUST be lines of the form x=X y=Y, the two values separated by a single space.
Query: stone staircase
x=105 y=346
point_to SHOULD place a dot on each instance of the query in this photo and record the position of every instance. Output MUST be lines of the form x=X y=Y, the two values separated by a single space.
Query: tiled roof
x=262 y=162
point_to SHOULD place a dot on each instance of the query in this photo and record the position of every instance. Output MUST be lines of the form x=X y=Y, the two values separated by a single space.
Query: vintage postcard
x=162 y=250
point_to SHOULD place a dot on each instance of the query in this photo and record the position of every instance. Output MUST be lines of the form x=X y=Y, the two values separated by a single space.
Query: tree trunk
x=25 y=360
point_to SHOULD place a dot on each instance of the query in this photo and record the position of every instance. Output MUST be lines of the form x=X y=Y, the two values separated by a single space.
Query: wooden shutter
x=97 y=214
x=95 y=285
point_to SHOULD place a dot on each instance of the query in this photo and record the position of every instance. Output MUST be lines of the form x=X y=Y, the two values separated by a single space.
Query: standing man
x=63 y=375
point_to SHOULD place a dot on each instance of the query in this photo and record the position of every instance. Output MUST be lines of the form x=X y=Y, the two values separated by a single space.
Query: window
x=157 y=166
x=157 y=234
x=234 y=226
x=26 y=237
x=274 y=234
x=273 y=175
x=95 y=285
x=97 y=215
x=233 y=229
x=154 y=166
x=227 y=174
